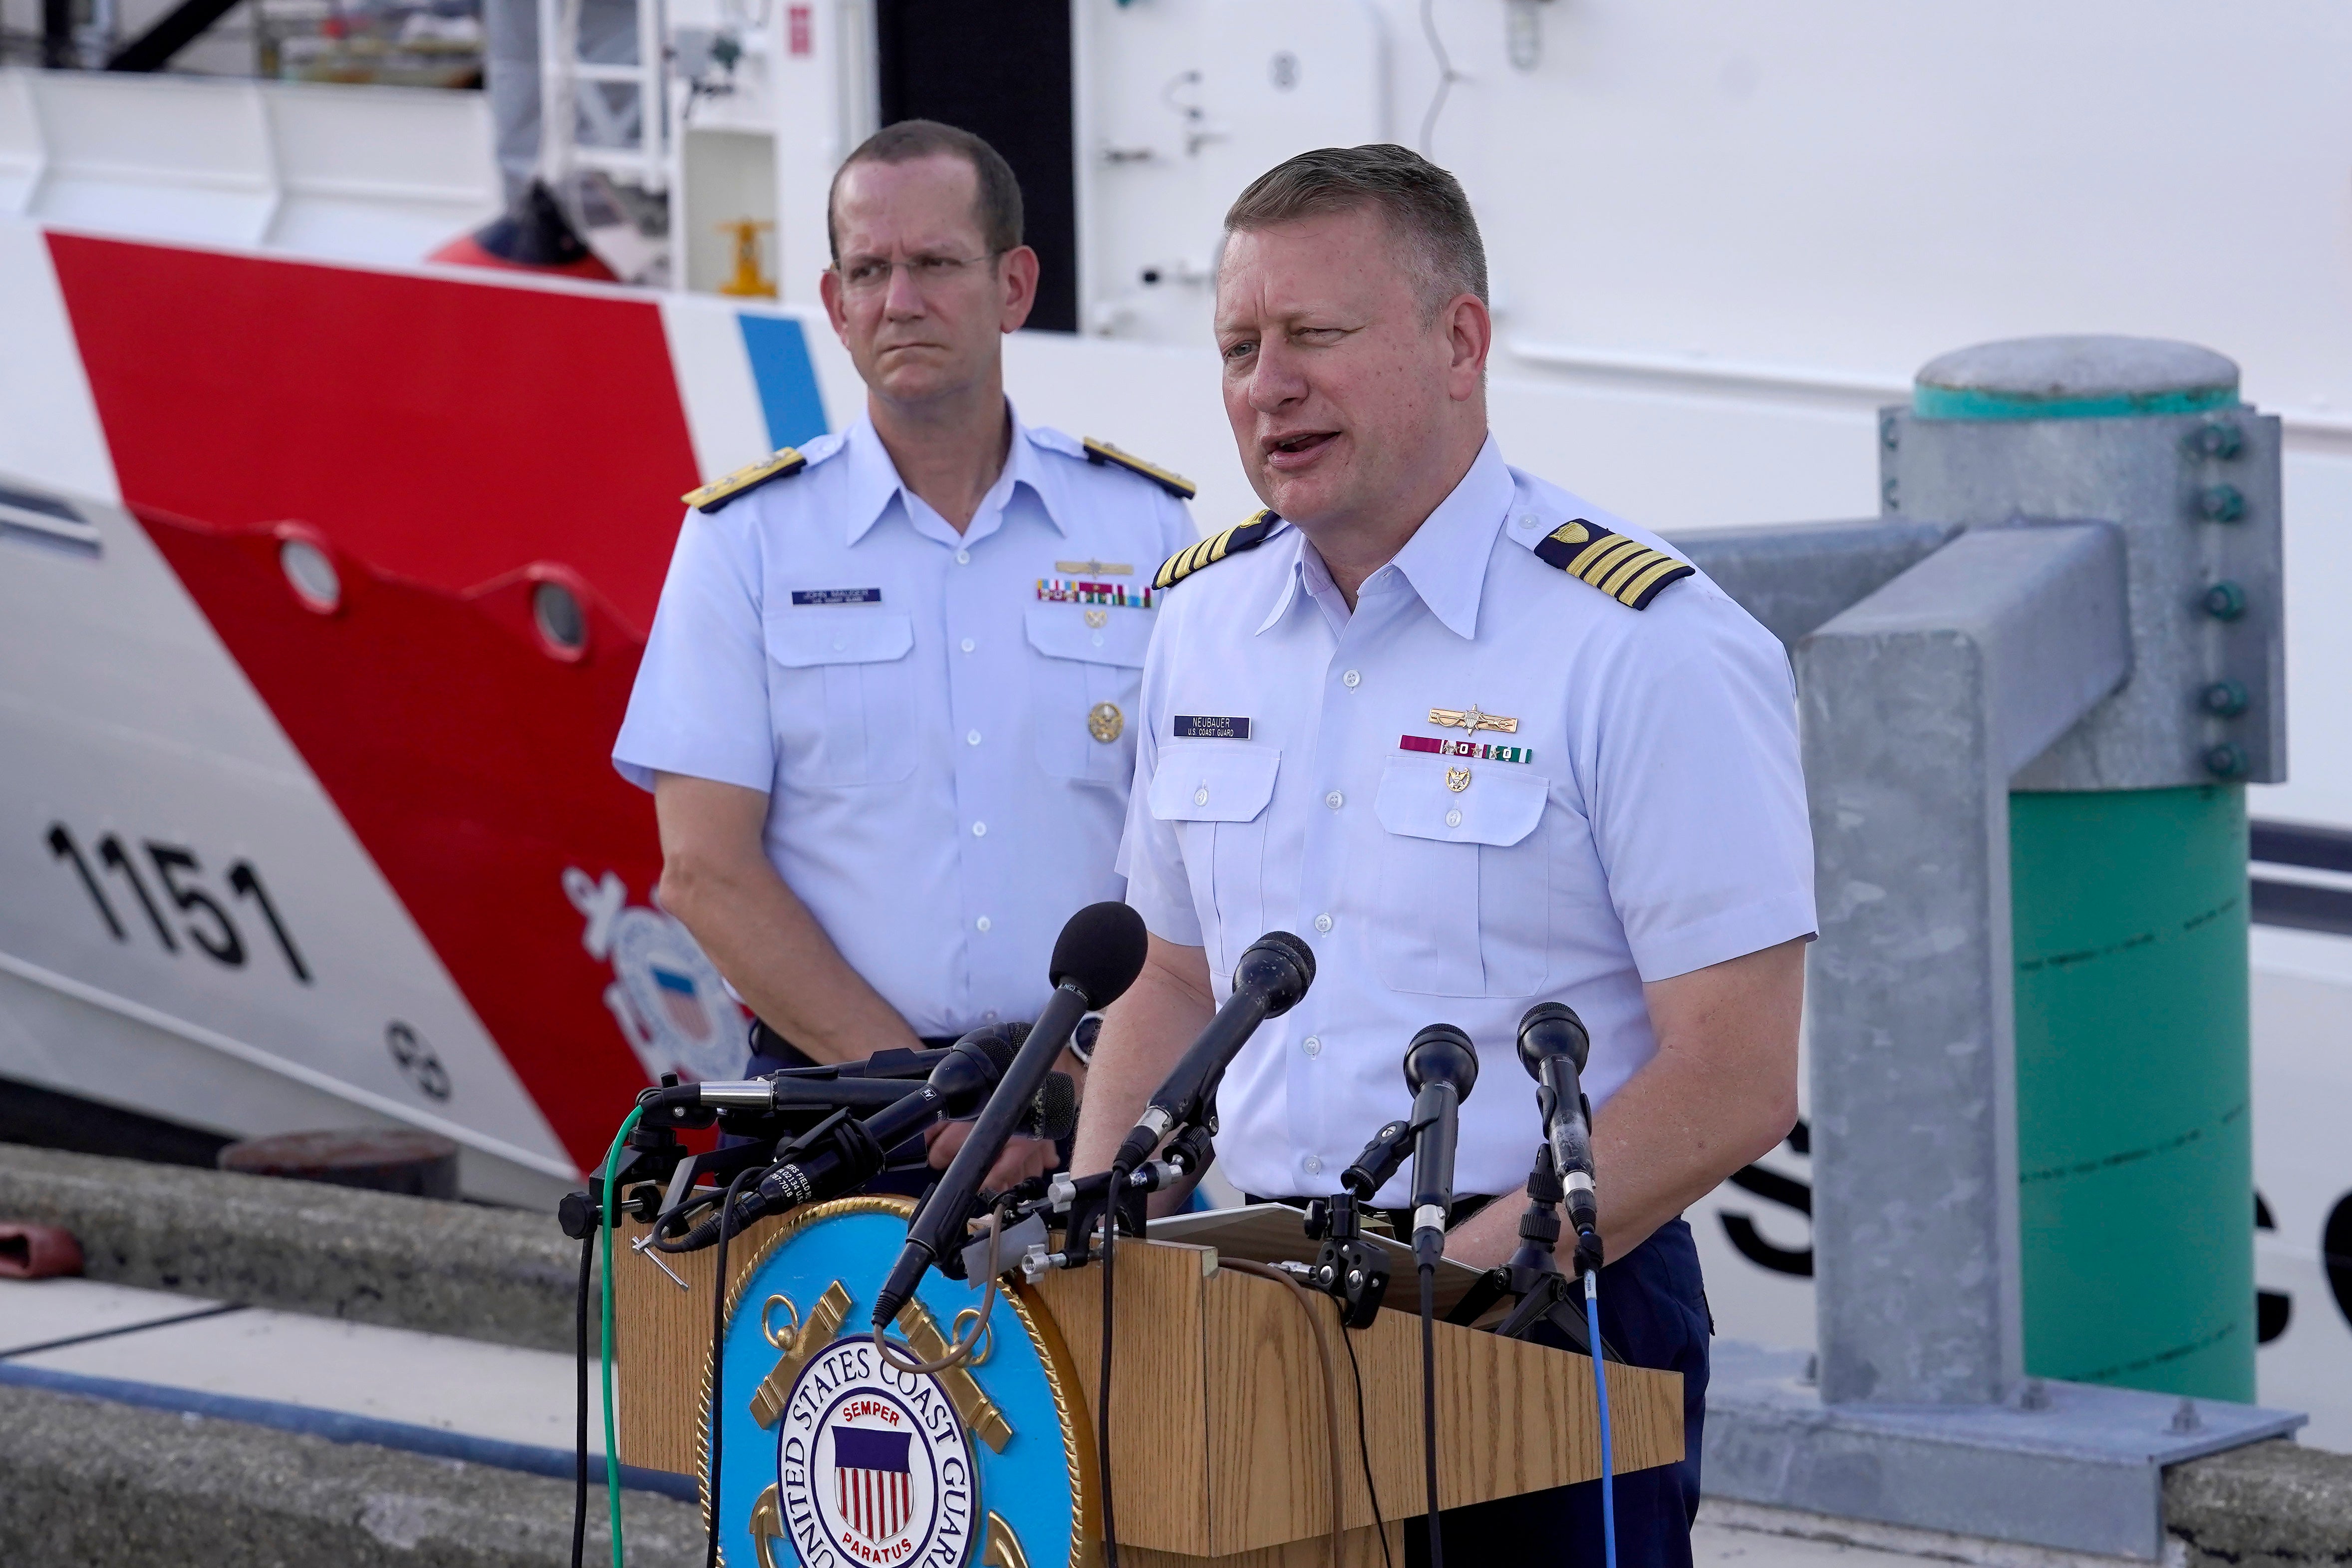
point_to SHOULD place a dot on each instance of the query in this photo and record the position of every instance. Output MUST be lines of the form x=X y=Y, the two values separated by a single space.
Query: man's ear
x=1016 y=276
x=1470 y=335
x=837 y=310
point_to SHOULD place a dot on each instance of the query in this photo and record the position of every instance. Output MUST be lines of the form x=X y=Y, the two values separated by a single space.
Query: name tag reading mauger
x=836 y=595
x=1210 y=727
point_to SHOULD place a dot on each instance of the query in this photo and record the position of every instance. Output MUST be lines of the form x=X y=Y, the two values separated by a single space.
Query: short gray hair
x=996 y=194
x=1423 y=202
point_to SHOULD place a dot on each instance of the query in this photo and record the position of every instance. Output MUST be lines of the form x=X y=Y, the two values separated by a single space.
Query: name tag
x=1210 y=727
x=836 y=595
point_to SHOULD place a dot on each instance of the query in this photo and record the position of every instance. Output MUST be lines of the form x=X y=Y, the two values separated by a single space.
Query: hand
x=1022 y=1157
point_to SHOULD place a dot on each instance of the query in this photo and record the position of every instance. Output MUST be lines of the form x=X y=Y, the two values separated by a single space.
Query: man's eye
x=934 y=266
x=865 y=273
x=1236 y=350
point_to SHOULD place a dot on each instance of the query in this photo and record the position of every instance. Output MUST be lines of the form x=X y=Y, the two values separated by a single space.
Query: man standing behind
x=1483 y=745
x=885 y=706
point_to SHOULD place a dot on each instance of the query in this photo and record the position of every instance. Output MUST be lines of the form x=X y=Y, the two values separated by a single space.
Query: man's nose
x=901 y=298
x=1276 y=380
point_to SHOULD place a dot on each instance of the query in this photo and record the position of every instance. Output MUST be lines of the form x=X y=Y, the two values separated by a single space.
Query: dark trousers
x=1653 y=1311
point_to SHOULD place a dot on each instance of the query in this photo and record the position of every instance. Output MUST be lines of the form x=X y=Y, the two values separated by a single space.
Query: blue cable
x=1601 y=1391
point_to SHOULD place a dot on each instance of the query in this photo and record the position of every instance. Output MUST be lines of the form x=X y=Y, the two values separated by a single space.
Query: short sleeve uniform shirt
x=944 y=724
x=1489 y=784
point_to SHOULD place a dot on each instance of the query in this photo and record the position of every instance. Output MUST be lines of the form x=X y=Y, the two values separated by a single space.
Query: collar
x=1445 y=560
x=874 y=483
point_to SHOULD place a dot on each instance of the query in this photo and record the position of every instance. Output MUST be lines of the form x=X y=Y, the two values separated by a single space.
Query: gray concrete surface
x=2272 y=1505
x=83 y=1482
x=502 y=1275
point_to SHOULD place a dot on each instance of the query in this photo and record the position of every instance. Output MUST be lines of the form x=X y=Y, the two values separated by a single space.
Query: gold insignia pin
x=1473 y=720
x=1098 y=618
x=1457 y=779
x=1105 y=722
x=1096 y=568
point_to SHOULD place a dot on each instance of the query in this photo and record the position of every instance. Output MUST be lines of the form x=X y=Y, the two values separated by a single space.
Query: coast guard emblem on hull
x=874 y=1466
x=668 y=998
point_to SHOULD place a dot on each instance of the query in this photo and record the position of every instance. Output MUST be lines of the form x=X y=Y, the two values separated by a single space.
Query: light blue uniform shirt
x=923 y=715
x=1656 y=825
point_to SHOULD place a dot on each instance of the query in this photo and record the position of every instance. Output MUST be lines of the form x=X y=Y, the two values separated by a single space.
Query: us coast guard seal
x=874 y=1466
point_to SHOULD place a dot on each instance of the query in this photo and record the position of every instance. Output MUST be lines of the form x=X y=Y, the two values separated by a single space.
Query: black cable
x=719 y=1348
x=1364 y=1447
x=580 y=1424
x=1102 y=1391
x=1429 y=1406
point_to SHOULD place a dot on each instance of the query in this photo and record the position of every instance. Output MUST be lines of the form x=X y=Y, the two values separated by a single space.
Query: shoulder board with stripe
x=1242 y=536
x=743 y=482
x=1177 y=485
x=1625 y=569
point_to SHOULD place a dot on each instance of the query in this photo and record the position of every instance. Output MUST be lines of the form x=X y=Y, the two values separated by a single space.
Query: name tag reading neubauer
x=1211 y=727
x=836 y=595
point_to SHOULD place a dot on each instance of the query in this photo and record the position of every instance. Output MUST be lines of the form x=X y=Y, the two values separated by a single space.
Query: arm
x=1143 y=1034
x=1721 y=1092
x=716 y=880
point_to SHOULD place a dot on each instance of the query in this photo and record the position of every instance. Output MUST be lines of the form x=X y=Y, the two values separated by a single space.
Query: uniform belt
x=1399 y=1220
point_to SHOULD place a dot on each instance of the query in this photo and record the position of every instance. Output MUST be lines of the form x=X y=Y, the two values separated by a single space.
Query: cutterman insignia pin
x=1105 y=722
x=1457 y=779
x=1470 y=718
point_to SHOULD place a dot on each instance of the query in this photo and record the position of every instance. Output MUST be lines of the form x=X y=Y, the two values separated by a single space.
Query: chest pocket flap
x=1213 y=783
x=1060 y=631
x=804 y=638
x=1501 y=804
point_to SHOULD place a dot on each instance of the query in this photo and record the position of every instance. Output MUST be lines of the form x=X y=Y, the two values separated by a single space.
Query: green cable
x=612 y=1441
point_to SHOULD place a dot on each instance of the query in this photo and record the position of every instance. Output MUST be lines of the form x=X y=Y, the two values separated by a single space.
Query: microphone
x=1440 y=1068
x=1553 y=1048
x=848 y=1159
x=1097 y=957
x=780 y=1093
x=1274 y=972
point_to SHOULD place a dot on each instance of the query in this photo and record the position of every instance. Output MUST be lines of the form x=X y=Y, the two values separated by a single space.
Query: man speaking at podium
x=885 y=709
x=1482 y=744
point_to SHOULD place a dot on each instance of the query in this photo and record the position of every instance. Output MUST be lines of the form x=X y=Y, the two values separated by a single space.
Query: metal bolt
x=1890 y=430
x=2222 y=503
x=2034 y=1396
x=2186 y=1419
x=1355 y=1278
x=2220 y=440
x=1811 y=1376
x=2226 y=760
x=1886 y=493
x=2223 y=699
x=2225 y=601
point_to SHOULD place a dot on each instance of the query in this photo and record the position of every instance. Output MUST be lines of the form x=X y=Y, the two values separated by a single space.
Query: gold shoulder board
x=743 y=482
x=1626 y=570
x=1176 y=485
x=1242 y=536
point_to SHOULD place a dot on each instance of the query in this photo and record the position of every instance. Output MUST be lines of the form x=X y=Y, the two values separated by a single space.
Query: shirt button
x=1322 y=923
x=980 y=830
x=982 y=924
x=988 y=1017
x=1529 y=520
x=1334 y=800
x=1312 y=1045
x=973 y=740
x=1201 y=795
x=968 y=645
x=1098 y=639
x=1453 y=819
x=840 y=643
x=963 y=557
x=1353 y=679
x=1312 y=1166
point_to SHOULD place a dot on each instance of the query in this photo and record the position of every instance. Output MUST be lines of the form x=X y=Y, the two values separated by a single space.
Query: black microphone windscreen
x=1558 y=1022
x=1055 y=1113
x=1441 y=1054
x=1302 y=959
x=998 y=1042
x=1100 y=952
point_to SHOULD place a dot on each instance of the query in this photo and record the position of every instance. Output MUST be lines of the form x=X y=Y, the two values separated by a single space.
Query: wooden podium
x=1219 y=1433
